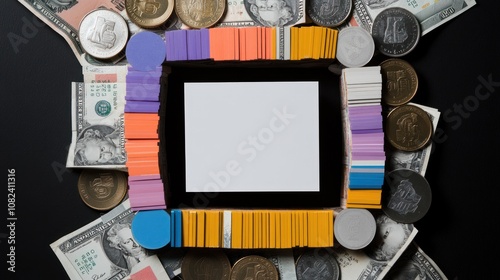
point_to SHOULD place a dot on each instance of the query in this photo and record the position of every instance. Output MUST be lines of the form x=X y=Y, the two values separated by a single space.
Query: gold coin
x=254 y=267
x=401 y=81
x=408 y=128
x=149 y=13
x=206 y=263
x=102 y=189
x=200 y=13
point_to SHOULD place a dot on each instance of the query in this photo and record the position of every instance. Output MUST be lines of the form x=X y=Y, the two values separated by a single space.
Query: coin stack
x=362 y=92
x=409 y=128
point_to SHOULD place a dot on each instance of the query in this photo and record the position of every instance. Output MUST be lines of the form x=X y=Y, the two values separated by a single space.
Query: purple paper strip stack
x=363 y=88
x=146 y=192
x=191 y=44
x=143 y=91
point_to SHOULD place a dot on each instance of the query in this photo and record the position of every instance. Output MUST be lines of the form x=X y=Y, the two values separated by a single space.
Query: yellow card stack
x=253 y=229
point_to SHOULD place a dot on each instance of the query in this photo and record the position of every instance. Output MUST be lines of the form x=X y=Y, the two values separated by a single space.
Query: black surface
x=459 y=232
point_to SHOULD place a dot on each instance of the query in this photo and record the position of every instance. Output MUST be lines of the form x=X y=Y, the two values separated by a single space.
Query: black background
x=459 y=232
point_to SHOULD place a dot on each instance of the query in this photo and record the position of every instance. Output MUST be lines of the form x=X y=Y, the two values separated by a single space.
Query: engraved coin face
x=330 y=13
x=354 y=228
x=102 y=189
x=103 y=33
x=200 y=13
x=355 y=47
x=254 y=267
x=401 y=81
x=407 y=196
x=396 y=31
x=149 y=13
x=201 y=264
x=408 y=128
x=317 y=264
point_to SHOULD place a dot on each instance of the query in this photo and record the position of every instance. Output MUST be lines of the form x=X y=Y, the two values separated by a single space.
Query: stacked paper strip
x=254 y=228
x=366 y=156
x=251 y=43
x=141 y=121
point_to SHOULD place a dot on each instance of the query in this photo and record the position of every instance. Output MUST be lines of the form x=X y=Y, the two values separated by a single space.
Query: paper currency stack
x=99 y=35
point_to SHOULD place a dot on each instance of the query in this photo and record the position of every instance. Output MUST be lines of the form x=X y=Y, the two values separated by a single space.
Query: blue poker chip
x=151 y=228
x=145 y=51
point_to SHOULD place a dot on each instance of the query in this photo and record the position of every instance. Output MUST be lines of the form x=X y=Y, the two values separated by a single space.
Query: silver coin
x=103 y=33
x=396 y=31
x=354 y=228
x=317 y=264
x=355 y=46
x=330 y=13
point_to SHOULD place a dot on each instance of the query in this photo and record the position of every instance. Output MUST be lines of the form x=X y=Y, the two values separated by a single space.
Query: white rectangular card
x=252 y=137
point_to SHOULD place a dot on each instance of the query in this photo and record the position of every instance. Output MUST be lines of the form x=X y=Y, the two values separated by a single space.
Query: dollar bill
x=415 y=264
x=98 y=136
x=375 y=261
x=241 y=13
x=105 y=249
x=284 y=262
x=104 y=74
x=430 y=14
x=417 y=160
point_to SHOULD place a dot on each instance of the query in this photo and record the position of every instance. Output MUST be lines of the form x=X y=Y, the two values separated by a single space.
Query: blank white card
x=252 y=137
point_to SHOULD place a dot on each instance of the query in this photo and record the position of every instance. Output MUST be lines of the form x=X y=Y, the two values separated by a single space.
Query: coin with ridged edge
x=408 y=128
x=149 y=14
x=401 y=81
x=407 y=196
x=200 y=13
x=354 y=228
x=102 y=189
x=317 y=264
x=103 y=33
x=254 y=267
x=396 y=31
x=329 y=13
x=206 y=263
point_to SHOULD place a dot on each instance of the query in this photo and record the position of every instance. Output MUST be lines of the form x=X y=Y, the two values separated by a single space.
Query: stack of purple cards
x=363 y=89
x=145 y=53
x=187 y=44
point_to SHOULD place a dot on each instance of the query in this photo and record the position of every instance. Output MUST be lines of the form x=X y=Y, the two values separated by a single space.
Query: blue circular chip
x=145 y=51
x=151 y=228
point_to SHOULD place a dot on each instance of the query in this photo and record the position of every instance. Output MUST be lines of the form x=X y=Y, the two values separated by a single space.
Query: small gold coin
x=102 y=189
x=200 y=13
x=408 y=128
x=149 y=13
x=254 y=267
x=206 y=263
x=400 y=81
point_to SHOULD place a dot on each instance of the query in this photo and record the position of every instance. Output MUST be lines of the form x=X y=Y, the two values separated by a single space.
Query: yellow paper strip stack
x=253 y=229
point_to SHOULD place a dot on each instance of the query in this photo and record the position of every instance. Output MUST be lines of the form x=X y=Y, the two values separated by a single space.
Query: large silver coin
x=354 y=228
x=330 y=13
x=396 y=31
x=317 y=264
x=103 y=33
x=355 y=46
